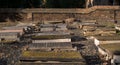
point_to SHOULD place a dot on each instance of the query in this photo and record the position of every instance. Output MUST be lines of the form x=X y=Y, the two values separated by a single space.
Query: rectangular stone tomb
x=48 y=37
x=106 y=40
x=88 y=26
x=52 y=40
x=53 y=22
x=47 y=25
x=90 y=33
x=111 y=47
x=51 y=63
x=50 y=45
x=12 y=31
x=61 y=25
x=9 y=36
x=46 y=29
x=106 y=30
x=89 y=21
x=61 y=29
x=14 y=28
x=8 y=41
x=53 y=33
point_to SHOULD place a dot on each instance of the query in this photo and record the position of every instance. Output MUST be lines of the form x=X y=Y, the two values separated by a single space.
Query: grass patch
x=7 y=41
x=62 y=54
x=111 y=47
x=118 y=32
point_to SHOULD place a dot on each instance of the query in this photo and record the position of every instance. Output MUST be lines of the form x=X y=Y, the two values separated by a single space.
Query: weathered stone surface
x=52 y=40
x=46 y=29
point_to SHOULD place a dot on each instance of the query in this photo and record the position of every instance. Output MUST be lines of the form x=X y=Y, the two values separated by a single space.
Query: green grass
x=62 y=54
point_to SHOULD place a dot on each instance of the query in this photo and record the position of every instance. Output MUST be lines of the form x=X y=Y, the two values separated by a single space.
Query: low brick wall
x=65 y=63
x=99 y=13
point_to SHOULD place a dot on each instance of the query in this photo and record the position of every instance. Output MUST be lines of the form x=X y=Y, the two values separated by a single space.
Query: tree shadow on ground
x=12 y=17
x=79 y=46
x=3 y=61
x=78 y=38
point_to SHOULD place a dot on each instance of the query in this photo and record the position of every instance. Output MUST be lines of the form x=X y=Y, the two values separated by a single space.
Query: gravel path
x=11 y=53
x=89 y=53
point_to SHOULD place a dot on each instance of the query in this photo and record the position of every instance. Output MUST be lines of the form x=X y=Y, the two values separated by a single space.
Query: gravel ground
x=88 y=50
x=89 y=53
x=11 y=53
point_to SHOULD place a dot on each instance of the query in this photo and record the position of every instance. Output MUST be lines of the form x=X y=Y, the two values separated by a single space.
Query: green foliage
x=20 y=3
x=41 y=3
x=65 y=3
x=10 y=3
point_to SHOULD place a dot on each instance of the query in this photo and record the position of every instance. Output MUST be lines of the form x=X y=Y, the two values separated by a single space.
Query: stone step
x=51 y=63
x=50 y=45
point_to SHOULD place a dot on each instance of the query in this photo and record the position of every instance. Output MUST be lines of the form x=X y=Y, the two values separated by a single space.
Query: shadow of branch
x=10 y=16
